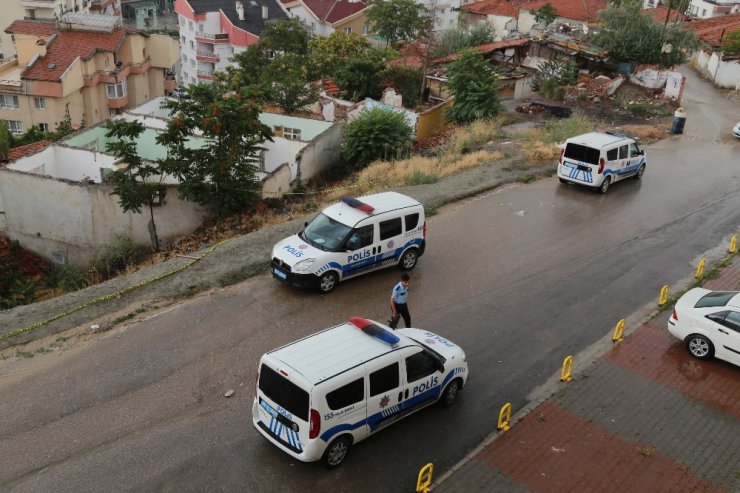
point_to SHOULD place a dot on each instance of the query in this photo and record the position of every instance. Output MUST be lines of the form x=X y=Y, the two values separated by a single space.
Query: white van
x=599 y=159
x=350 y=238
x=318 y=396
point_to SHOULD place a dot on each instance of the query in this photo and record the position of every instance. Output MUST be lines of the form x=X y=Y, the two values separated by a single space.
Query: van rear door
x=581 y=162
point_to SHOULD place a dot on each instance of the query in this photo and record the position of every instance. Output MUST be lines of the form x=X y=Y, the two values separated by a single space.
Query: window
x=192 y=45
x=612 y=154
x=9 y=101
x=717 y=298
x=291 y=133
x=703 y=12
x=732 y=321
x=579 y=152
x=411 y=221
x=623 y=152
x=182 y=40
x=348 y=30
x=384 y=380
x=15 y=127
x=190 y=25
x=200 y=28
x=285 y=393
x=44 y=127
x=345 y=396
x=366 y=29
x=361 y=237
x=390 y=228
x=420 y=365
x=39 y=103
x=634 y=150
x=116 y=91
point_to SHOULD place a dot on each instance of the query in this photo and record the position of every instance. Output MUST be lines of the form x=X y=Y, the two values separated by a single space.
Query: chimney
x=264 y=12
x=240 y=10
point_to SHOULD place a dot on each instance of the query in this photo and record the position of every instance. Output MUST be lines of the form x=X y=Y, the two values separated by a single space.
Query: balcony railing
x=200 y=54
x=205 y=74
x=212 y=38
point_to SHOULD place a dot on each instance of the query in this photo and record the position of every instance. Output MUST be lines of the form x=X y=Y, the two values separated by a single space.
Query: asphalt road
x=520 y=277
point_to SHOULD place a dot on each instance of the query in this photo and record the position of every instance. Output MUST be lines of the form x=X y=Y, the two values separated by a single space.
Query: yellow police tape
x=109 y=296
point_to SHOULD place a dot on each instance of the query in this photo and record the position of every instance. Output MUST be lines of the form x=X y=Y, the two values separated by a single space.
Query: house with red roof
x=323 y=17
x=87 y=65
x=721 y=68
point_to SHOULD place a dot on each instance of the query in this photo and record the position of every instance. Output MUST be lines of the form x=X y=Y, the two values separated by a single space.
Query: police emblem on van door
x=390 y=244
x=384 y=401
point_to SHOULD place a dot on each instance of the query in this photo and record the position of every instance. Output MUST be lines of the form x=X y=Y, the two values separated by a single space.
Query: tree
x=5 y=142
x=138 y=183
x=327 y=54
x=407 y=80
x=221 y=173
x=731 y=43
x=396 y=20
x=248 y=68
x=632 y=36
x=287 y=84
x=458 y=38
x=545 y=14
x=358 y=78
x=376 y=134
x=285 y=37
x=475 y=86
x=552 y=76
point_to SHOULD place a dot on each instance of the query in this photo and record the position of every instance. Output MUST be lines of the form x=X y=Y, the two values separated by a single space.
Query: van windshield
x=283 y=392
x=325 y=233
x=585 y=154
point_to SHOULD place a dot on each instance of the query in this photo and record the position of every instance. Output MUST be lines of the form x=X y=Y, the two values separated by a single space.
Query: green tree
x=456 y=39
x=397 y=20
x=138 y=183
x=287 y=84
x=285 y=37
x=632 y=36
x=407 y=80
x=552 y=76
x=545 y=14
x=248 y=68
x=731 y=43
x=358 y=78
x=222 y=173
x=5 y=142
x=474 y=85
x=376 y=134
x=328 y=54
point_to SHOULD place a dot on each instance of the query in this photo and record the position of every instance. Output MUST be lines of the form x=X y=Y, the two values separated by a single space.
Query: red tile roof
x=32 y=148
x=713 y=29
x=64 y=49
x=484 y=49
x=334 y=10
x=330 y=87
x=577 y=10
x=506 y=8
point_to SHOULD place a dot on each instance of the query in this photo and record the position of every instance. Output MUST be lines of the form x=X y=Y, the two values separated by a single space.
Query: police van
x=599 y=159
x=352 y=237
x=318 y=396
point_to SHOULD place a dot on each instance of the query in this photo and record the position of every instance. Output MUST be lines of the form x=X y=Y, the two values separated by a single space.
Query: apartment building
x=212 y=31
x=323 y=17
x=87 y=64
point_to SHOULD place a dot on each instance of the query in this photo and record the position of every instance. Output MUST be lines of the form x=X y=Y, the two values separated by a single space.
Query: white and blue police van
x=318 y=396
x=350 y=238
x=600 y=159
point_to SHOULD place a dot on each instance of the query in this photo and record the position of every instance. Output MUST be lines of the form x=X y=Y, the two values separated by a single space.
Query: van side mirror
x=440 y=366
x=642 y=153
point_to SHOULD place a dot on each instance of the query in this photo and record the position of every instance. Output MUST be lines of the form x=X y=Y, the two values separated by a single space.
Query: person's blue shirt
x=400 y=293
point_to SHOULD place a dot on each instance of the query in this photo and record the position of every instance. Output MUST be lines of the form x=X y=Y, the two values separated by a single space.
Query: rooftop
x=713 y=29
x=578 y=10
x=483 y=49
x=253 y=21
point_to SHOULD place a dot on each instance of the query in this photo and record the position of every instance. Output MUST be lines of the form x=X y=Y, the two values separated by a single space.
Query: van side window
x=346 y=395
x=634 y=150
x=412 y=220
x=419 y=365
x=623 y=152
x=390 y=228
x=611 y=154
x=361 y=237
x=384 y=380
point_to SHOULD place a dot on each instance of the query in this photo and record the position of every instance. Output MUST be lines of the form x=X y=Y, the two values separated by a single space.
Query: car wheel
x=640 y=172
x=408 y=259
x=337 y=451
x=605 y=185
x=562 y=180
x=327 y=282
x=699 y=346
x=450 y=393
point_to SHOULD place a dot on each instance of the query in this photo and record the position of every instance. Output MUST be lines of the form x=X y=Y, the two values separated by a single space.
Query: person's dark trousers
x=403 y=310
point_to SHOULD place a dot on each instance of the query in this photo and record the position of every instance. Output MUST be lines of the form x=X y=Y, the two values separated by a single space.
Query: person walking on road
x=399 y=299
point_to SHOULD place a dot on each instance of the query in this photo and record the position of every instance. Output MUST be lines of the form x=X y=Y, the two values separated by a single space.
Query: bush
x=376 y=134
x=474 y=85
x=117 y=256
x=408 y=82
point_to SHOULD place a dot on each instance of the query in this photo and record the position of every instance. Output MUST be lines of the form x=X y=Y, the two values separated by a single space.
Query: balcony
x=99 y=5
x=202 y=37
x=38 y=4
x=116 y=103
x=207 y=56
x=205 y=75
x=170 y=83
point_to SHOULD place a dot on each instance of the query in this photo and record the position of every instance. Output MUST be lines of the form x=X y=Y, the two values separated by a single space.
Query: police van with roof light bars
x=599 y=159
x=318 y=396
x=350 y=238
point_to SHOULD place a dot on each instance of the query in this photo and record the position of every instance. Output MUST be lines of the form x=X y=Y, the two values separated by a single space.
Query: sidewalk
x=644 y=417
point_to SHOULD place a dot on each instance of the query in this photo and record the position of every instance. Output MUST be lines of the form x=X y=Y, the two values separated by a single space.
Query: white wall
x=66 y=163
x=526 y=21
x=725 y=74
x=321 y=153
x=502 y=26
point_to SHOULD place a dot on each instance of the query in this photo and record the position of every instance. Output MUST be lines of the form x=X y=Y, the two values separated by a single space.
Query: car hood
x=293 y=249
x=448 y=349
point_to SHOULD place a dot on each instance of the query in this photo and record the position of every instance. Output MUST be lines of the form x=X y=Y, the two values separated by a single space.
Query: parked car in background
x=736 y=130
x=709 y=324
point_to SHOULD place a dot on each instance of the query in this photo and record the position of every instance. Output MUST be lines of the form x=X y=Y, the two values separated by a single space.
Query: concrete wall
x=320 y=153
x=48 y=215
x=277 y=182
x=65 y=163
x=725 y=74
x=432 y=121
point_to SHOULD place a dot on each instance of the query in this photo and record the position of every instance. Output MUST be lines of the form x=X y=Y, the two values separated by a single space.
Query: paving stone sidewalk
x=644 y=417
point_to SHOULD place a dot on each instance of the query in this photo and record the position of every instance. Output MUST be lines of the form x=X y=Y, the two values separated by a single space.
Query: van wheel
x=640 y=172
x=327 y=282
x=605 y=185
x=562 y=180
x=408 y=259
x=450 y=393
x=337 y=451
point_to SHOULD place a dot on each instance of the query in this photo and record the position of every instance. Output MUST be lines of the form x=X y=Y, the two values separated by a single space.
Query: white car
x=736 y=130
x=709 y=324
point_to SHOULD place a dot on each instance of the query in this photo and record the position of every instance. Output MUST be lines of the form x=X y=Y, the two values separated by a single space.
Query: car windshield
x=325 y=233
x=719 y=298
x=582 y=153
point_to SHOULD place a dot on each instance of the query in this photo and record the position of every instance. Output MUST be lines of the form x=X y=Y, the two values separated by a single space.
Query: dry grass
x=646 y=133
x=540 y=151
x=464 y=139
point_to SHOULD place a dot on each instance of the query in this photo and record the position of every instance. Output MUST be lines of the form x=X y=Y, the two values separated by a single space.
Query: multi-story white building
x=212 y=31
x=704 y=9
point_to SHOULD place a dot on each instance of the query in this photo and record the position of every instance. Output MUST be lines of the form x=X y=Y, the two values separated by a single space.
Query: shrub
x=474 y=85
x=376 y=134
